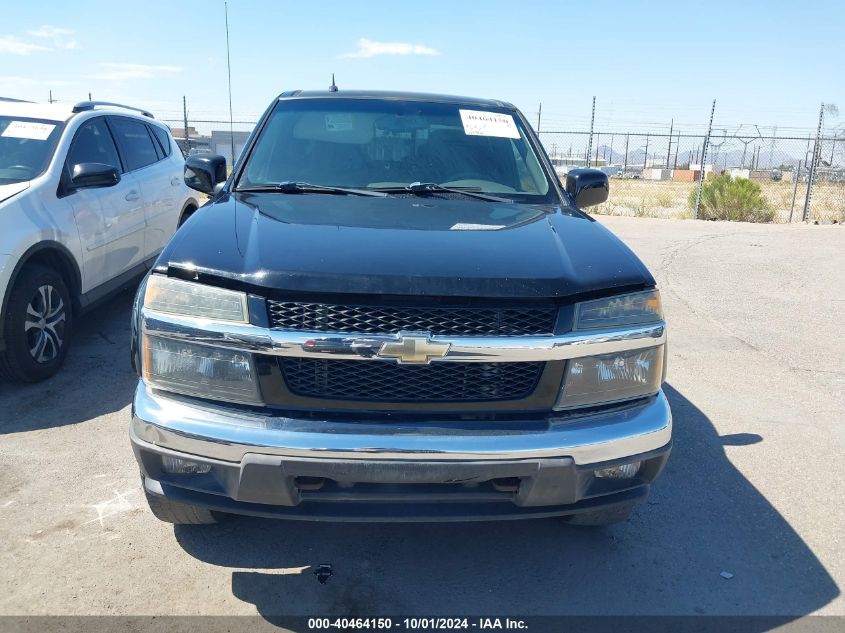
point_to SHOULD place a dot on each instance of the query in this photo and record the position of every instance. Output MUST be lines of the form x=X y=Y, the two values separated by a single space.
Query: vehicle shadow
x=96 y=377
x=703 y=518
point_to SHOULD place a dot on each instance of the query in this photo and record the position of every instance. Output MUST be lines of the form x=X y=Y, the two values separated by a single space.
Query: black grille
x=377 y=381
x=457 y=321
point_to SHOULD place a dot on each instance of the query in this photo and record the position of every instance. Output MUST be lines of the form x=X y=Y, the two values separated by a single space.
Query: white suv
x=89 y=195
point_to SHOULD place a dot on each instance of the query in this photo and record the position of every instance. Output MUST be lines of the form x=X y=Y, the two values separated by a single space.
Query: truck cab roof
x=394 y=95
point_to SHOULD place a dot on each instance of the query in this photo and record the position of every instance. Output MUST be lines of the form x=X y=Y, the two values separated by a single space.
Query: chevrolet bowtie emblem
x=414 y=350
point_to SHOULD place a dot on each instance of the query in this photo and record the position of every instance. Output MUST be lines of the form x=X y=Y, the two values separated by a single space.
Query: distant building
x=192 y=141
x=563 y=164
x=221 y=143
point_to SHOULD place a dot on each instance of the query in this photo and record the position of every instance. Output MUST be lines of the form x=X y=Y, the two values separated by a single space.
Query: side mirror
x=204 y=172
x=587 y=187
x=92 y=175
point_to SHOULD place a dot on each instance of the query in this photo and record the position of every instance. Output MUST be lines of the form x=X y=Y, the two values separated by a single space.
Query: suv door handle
x=175 y=181
x=132 y=196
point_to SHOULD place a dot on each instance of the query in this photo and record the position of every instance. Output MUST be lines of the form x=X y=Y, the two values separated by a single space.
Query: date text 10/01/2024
x=417 y=624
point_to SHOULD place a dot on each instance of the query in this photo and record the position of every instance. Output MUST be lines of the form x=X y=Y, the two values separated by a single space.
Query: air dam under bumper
x=421 y=470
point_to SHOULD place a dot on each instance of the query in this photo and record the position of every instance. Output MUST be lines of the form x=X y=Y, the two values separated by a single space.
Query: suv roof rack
x=84 y=106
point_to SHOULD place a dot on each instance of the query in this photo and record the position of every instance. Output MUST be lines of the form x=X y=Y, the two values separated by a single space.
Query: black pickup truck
x=393 y=309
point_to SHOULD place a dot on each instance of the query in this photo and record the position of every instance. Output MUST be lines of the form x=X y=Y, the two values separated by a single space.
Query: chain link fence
x=657 y=175
x=800 y=178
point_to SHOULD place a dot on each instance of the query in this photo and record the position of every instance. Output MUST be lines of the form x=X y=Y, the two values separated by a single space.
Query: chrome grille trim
x=365 y=347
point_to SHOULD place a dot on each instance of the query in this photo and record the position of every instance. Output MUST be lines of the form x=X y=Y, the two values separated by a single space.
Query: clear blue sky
x=766 y=63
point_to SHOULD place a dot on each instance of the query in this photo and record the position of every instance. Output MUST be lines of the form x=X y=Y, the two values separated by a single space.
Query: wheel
x=607 y=516
x=179 y=513
x=38 y=326
x=186 y=214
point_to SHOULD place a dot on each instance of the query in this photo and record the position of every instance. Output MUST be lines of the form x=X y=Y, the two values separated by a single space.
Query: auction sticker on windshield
x=28 y=129
x=479 y=123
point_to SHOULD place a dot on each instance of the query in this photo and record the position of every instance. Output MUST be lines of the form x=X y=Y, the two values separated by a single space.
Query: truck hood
x=7 y=191
x=399 y=246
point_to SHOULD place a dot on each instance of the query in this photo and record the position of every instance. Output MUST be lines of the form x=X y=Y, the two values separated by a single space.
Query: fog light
x=178 y=466
x=623 y=471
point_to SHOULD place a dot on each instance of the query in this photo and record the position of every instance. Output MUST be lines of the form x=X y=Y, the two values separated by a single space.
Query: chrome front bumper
x=408 y=471
x=229 y=434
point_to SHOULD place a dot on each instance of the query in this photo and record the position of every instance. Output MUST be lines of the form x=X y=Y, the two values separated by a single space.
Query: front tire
x=179 y=513
x=38 y=325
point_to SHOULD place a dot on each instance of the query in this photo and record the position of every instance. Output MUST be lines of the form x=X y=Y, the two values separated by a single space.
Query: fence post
x=590 y=142
x=625 y=166
x=703 y=159
x=795 y=191
x=677 y=145
x=669 y=149
x=812 y=175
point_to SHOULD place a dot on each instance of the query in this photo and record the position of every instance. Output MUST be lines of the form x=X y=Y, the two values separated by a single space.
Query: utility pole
x=89 y=96
x=590 y=142
x=703 y=158
x=645 y=159
x=677 y=145
x=772 y=146
x=185 y=123
x=625 y=165
x=539 y=116
x=669 y=151
x=812 y=176
x=50 y=98
x=229 y=70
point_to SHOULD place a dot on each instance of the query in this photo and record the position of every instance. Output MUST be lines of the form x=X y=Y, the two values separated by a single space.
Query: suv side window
x=136 y=146
x=163 y=138
x=93 y=143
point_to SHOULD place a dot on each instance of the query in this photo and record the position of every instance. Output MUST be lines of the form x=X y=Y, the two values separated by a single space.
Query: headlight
x=187 y=298
x=637 y=308
x=611 y=377
x=199 y=370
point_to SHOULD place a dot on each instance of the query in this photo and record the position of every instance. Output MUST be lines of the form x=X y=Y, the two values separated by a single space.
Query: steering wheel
x=26 y=167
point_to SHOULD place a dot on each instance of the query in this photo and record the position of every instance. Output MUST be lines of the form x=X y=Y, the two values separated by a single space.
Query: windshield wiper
x=305 y=187
x=423 y=188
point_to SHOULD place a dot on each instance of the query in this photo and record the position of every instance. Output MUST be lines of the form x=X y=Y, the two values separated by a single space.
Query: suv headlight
x=616 y=376
x=199 y=370
x=637 y=308
x=187 y=298
x=610 y=378
x=191 y=368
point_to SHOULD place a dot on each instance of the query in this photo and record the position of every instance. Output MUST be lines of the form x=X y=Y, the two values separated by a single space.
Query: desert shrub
x=664 y=200
x=736 y=199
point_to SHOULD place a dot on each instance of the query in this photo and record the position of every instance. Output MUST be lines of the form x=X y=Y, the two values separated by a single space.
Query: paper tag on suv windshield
x=28 y=129
x=479 y=123
x=339 y=122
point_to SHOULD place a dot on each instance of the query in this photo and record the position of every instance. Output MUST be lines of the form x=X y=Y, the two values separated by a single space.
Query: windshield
x=26 y=146
x=387 y=144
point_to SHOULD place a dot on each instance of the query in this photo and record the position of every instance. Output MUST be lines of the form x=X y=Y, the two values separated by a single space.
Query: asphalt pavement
x=747 y=519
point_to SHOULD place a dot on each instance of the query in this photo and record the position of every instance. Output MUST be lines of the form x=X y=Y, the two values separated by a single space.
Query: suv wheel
x=37 y=326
